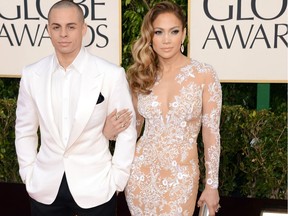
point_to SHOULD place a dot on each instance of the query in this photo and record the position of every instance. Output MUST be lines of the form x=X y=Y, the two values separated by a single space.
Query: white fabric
x=93 y=175
x=65 y=94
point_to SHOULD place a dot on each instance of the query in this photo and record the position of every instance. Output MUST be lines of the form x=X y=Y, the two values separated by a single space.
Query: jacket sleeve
x=26 y=139
x=120 y=98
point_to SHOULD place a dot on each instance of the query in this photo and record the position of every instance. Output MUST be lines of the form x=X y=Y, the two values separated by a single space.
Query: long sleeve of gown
x=212 y=102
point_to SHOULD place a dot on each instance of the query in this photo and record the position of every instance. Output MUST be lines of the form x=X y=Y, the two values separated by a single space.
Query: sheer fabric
x=165 y=173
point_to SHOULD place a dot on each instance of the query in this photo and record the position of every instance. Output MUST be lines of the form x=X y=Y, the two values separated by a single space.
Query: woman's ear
x=184 y=35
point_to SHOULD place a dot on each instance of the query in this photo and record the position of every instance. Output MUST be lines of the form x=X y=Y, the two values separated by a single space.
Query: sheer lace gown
x=165 y=174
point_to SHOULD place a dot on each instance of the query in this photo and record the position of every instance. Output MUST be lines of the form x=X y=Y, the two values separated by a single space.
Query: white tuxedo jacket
x=93 y=175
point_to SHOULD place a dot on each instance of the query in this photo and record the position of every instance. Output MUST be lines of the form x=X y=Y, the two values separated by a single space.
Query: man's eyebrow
x=65 y=24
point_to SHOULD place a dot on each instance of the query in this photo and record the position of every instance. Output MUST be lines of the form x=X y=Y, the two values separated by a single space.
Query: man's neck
x=66 y=59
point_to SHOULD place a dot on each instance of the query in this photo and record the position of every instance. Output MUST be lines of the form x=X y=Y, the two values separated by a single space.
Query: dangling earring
x=182 y=48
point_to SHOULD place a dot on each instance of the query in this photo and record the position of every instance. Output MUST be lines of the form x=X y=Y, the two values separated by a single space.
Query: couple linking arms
x=73 y=96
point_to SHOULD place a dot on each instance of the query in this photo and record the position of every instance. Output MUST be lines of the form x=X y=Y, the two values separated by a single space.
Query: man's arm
x=120 y=98
x=26 y=139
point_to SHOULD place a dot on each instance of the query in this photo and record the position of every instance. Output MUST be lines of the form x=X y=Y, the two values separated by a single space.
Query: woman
x=176 y=96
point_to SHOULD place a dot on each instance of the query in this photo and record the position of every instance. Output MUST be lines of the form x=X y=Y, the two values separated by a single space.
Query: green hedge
x=8 y=161
x=253 y=151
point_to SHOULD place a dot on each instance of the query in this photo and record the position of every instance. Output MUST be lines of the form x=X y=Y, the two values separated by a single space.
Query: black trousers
x=64 y=205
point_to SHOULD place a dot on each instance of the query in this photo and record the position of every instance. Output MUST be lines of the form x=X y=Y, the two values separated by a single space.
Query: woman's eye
x=157 y=32
x=175 y=31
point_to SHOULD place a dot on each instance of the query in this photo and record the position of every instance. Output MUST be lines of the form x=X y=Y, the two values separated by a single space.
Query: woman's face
x=168 y=35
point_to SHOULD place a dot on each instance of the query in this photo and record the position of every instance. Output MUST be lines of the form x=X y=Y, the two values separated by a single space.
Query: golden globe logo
x=244 y=40
x=246 y=33
x=24 y=35
x=33 y=33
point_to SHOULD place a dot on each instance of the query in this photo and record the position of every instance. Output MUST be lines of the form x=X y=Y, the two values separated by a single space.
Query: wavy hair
x=143 y=73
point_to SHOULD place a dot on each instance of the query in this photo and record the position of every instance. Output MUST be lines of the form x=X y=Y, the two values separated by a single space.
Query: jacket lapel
x=91 y=83
x=44 y=99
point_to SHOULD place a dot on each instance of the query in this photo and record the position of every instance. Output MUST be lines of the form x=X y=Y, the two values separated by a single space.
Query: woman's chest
x=185 y=102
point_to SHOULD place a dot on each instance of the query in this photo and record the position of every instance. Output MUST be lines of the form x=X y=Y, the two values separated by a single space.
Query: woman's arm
x=116 y=122
x=212 y=102
x=139 y=118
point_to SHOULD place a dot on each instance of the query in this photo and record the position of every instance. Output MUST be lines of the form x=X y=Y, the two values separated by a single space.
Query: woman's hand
x=116 y=122
x=210 y=196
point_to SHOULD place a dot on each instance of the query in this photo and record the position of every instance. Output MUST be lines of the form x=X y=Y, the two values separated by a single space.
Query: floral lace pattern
x=165 y=173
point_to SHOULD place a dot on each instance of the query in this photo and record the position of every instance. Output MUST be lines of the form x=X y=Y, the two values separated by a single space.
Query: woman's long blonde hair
x=142 y=74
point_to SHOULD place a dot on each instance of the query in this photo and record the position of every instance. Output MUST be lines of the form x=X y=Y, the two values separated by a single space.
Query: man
x=68 y=95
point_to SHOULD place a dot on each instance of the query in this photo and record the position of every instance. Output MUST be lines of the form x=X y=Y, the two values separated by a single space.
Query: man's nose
x=63 y=32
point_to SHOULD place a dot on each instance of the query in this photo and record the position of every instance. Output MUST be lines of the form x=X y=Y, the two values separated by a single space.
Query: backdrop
x=245 y=41
x=24 y=37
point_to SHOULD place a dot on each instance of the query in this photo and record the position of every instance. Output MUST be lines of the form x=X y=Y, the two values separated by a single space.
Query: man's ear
x=84 y=29
x=48 y=30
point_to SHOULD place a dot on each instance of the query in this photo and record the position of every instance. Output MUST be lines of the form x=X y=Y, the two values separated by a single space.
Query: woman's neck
x=172 y=64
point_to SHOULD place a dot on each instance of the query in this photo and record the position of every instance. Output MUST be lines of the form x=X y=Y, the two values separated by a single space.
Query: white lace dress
x=165 y=174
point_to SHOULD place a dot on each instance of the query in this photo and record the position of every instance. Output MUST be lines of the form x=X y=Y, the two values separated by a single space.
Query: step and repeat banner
x=24 y=38
x=244 y=40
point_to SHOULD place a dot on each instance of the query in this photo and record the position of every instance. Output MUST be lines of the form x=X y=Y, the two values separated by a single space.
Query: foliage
x=264 y=154
x=8 y=160
x=253 y=153
x=9 y=87
x=278 y=97
x=244 y=94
